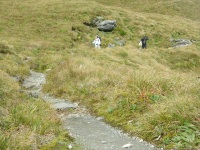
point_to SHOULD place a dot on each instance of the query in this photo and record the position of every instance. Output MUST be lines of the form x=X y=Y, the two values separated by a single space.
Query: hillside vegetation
x=152 y=93
x=184 y=8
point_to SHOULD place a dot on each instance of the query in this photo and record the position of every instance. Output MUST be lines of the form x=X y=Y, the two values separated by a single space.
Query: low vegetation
x=152 y=93
x=25 y=122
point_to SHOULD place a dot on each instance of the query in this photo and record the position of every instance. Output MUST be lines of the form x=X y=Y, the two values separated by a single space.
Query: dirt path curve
x=88 y=131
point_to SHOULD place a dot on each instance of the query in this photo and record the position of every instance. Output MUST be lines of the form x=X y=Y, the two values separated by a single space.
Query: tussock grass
x=184 y=8
x=6 y=49
x=180 y=112
x=184 y=59
x=26 y=123
x=152 y=93
x=112 y=82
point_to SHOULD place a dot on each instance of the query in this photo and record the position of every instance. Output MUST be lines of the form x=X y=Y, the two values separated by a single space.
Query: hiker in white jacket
x=97 y=42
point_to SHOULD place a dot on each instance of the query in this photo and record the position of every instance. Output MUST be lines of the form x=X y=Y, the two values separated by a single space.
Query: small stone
x=76 y=104
x=130 y=121
x=70 y=146
x=112 y=146
x=48 y=70
x=100 y=118
x=127 y=145
x=103 y=142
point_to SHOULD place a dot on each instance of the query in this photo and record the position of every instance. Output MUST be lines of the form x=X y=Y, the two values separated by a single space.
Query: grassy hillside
x=184 y=8
x=152 y=93
x=25 y=122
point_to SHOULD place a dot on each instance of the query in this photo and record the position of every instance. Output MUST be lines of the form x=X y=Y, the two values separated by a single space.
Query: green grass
x=25 y=123
x=182 y=60
x=152 y=93
x=184 y=8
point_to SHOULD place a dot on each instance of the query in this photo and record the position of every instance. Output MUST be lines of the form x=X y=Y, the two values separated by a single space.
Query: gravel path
x=96 y=135
x=89 y=131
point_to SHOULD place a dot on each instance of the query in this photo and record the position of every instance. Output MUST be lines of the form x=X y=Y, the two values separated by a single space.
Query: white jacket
x=97 y=41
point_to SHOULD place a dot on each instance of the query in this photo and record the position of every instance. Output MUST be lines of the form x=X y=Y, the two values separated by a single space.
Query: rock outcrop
x=106 y=25
x=101 y=24
x=180 y=42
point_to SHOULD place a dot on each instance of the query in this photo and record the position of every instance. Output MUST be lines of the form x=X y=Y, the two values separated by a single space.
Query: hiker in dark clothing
x=144 y=42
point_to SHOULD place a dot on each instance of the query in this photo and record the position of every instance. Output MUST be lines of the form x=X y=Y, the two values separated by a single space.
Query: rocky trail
x=90 y=132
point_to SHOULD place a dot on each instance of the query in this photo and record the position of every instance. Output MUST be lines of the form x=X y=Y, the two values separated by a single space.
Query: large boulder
x=106 y=28
x=107 y=22
x=97 y=20
x=106 y=25
x=101 y=24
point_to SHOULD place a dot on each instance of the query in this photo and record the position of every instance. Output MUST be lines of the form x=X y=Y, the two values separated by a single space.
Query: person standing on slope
x=97 y=42
x=144 y=42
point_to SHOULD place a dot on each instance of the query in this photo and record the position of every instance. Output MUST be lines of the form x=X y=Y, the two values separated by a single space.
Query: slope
x=153 y=94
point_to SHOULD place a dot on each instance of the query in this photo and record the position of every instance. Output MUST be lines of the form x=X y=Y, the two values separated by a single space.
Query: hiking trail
x=89 y=131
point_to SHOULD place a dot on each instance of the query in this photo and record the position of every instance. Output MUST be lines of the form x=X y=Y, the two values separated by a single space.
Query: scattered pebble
x=70 y=146
x=76 y=104
x=100 y=118
x=127 y=145
x=112 y=146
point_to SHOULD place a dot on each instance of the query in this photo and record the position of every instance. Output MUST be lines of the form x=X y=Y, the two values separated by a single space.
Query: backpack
x=100 y=38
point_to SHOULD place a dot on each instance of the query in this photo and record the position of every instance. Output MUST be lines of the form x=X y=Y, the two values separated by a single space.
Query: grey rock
x=100 y=118
x=97 y=20
x=180 y=42
x=127 y=145
x=120 y=42
x=63 y=105
x=101 y=24
x=34 y=81
x=106 y=28
x=106 y=25
x=107 y=22
x=110 y=45
x=70 y=146
x=34 y=93
x=59 y=104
